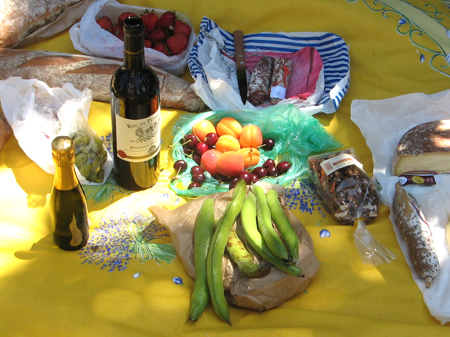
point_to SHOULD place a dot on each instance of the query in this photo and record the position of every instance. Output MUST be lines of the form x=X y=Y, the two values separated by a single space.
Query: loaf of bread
x=56 y=69
x=425 y=147
x=19 y=18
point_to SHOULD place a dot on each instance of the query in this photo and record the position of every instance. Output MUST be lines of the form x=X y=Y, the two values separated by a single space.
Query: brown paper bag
x=257 y=294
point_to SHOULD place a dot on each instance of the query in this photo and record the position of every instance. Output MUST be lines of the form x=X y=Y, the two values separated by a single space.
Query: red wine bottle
x=135 y=114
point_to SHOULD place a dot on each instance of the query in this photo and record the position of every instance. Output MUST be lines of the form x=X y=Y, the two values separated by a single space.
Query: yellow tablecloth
x=47 y=291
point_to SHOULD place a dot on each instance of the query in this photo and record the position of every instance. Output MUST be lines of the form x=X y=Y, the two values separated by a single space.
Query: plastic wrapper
x=351 y=197
x=297 y=136
x=38 y=113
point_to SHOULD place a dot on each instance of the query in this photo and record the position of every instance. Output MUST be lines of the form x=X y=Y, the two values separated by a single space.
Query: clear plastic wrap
x=351 y=197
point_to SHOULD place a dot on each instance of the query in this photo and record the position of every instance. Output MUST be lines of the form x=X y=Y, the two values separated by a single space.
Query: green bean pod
x=255 y=239
x=243 y=259
x=217 y=250
x=264 y=221
x=283 y=224
x=203 y=233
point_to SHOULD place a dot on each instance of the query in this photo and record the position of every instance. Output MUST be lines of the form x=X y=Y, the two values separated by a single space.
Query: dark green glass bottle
x=68 y=207
x=135 y=114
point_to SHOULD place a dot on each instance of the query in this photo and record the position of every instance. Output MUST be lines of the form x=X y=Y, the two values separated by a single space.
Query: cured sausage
x=279 y=80
x=258 y=88
x=417 y=234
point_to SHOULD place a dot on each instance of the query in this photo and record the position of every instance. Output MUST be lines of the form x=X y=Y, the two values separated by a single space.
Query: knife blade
x=241 y=70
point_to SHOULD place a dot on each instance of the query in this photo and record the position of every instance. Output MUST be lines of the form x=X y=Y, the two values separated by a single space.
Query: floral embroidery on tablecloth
x=125 y=236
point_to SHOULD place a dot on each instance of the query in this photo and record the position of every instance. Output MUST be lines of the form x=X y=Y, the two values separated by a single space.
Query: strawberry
x=166 y=21
x=121 y=36
x=182 y=28
x=157 y=35
x=177 y=43
x=116 y=30
x=105 y=23
x=161 y=47
x=123 y=16
x=150 y=20
x=147 y=43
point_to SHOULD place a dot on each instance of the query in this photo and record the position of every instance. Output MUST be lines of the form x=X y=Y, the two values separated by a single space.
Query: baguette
x=56 y=69
x=19 y=18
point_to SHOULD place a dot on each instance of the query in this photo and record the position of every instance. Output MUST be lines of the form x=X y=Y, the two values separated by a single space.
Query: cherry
x=180 y=166
x=255 y=178
x=233 y=182
x=187 y=150
x=268 y=163
x=268 y=144
x=283 y=167
x=197 y=157
x=191 y=141
x=272 y=171
x=211 y=139
x=196 y=170
x=260 y=172
x=194 y=184
x=199 y=178
x=246 y=176
x=201 y=148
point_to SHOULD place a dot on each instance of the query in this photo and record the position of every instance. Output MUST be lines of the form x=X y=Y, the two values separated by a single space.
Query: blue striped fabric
x=332 y=49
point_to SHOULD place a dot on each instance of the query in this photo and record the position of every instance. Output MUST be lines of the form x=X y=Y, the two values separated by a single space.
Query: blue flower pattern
x=121 y=237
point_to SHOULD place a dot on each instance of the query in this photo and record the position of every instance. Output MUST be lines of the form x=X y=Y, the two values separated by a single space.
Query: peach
x=202 y=128
x=227 y=143
x=230 y=164
x=251 y=156
x=229 y=126
x=251 y=136
x=209 y=160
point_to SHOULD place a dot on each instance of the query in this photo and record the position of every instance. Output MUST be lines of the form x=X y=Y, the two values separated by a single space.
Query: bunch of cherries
x=193 y=148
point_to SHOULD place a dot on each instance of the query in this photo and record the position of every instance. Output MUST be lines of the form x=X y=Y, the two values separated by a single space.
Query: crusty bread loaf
x=94 y=73
x=424 y=147
x=19 y=18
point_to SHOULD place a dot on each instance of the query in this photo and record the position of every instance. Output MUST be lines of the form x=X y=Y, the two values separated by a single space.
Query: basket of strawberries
x=168 y=34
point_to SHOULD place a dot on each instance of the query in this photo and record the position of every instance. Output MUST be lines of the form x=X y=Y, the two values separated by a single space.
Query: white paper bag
x=383 y=123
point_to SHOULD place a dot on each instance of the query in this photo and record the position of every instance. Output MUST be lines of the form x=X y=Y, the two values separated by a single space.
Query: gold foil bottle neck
x=63 y=150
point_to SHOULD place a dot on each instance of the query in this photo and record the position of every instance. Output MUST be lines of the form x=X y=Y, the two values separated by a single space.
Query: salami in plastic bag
x=351 y=197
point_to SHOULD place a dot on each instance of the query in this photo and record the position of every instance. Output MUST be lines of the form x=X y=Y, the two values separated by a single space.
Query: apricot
x=202 y=128
x=227 y=143
x=251 y=136
x=229 y=126
x=251 y=156
x=209 y=160
x=230 y=164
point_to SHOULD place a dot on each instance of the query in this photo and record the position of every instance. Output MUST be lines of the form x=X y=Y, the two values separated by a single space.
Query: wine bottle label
x=138 y=140
x=77 y=236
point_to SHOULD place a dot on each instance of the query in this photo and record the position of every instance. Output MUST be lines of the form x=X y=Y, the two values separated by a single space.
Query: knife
x=241 y=70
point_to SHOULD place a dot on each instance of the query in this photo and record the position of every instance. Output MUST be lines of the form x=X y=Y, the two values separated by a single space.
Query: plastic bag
x=297 y=136
x=89 y=38
x=351 y=197
x=38 y=113
x=212 y=65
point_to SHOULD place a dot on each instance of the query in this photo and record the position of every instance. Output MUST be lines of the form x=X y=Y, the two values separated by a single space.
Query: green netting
x=297 y=136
